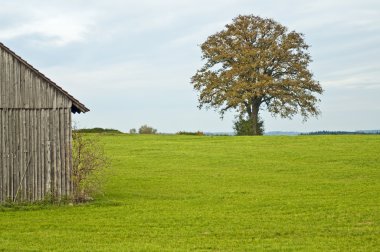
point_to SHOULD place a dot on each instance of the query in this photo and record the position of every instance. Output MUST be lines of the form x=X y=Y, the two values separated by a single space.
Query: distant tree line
x=325 y=132
x=145 y=129
x=241 y=128
x=98 y=130
x=188 y=133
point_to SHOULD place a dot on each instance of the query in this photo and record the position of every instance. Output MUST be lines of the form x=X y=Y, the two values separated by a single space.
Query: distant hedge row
x=98 y=130
x=342 y=133
x=197 y=133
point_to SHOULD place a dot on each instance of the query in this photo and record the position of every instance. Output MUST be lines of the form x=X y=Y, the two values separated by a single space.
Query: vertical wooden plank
x=67 y=151
x=7 y=82
x=20 y=154
x=8 y=150
x=54 y=154
x=3 y=156
x=2 y=93
x=24 y=153
x=6 y=164
x=14 y=135
x=48 y=169
x=10 y=126
x=31 y=156
x=29 y=170
x=2 y=160
x=48 y=155
x=43 y=151
x=58 y=145
x=35 y=155
x=1 y=148
x=5 y=126
x=15 y=138
x=23 y=85
x=16 y=154
x=62 y=141
x=70 y=153
x=8 y=94
x=38 y=147
x=3 y=164
x=10 y=156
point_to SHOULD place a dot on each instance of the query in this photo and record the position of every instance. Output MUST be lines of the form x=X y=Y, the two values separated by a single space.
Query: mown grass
x=180 y=193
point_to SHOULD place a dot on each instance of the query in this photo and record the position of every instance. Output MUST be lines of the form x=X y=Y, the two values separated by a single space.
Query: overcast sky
x=131 y=62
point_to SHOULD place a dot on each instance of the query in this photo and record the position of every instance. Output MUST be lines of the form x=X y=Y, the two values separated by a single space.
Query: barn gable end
x=23 y=86
x=35 y=132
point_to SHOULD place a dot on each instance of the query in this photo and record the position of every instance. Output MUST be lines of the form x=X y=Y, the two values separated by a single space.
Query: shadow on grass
x=10 y=206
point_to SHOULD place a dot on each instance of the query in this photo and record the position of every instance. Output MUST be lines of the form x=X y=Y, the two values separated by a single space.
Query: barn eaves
x=77 y=107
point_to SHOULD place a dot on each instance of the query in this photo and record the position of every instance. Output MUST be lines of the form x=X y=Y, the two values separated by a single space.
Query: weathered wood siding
x=35 y=135
x=20 y=87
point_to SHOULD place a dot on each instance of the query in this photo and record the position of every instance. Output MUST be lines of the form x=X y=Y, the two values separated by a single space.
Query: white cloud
x=362 y=81
x=124 y=76
x=48 y=26
x=199 y=34
x=59 y=31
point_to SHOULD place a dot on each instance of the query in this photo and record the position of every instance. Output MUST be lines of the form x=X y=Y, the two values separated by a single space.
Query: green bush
x=145 y=129
x=89 y=166
x=243 y=127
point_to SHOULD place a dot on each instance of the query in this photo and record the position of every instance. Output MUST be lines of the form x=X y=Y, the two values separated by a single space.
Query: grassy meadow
x=181 y=193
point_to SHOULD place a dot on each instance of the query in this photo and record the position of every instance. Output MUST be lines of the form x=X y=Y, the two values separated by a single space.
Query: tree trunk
x=254 y=118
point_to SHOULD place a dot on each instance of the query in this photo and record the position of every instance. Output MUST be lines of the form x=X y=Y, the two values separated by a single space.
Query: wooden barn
x=35 y=132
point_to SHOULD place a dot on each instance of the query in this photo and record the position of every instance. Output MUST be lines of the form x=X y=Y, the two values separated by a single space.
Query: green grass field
x=180 y=193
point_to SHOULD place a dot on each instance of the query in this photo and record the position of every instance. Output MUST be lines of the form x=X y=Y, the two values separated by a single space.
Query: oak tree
x=253 y=64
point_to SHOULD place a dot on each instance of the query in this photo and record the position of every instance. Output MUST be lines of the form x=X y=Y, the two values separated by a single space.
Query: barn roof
x=77 y=107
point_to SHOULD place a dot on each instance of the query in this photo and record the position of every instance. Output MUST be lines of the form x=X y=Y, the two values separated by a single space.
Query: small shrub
x=133 y=131
x=243 y=127
x=89 y=165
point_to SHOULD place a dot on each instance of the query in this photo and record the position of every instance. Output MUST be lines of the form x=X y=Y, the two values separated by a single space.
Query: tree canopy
x=256 y=63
